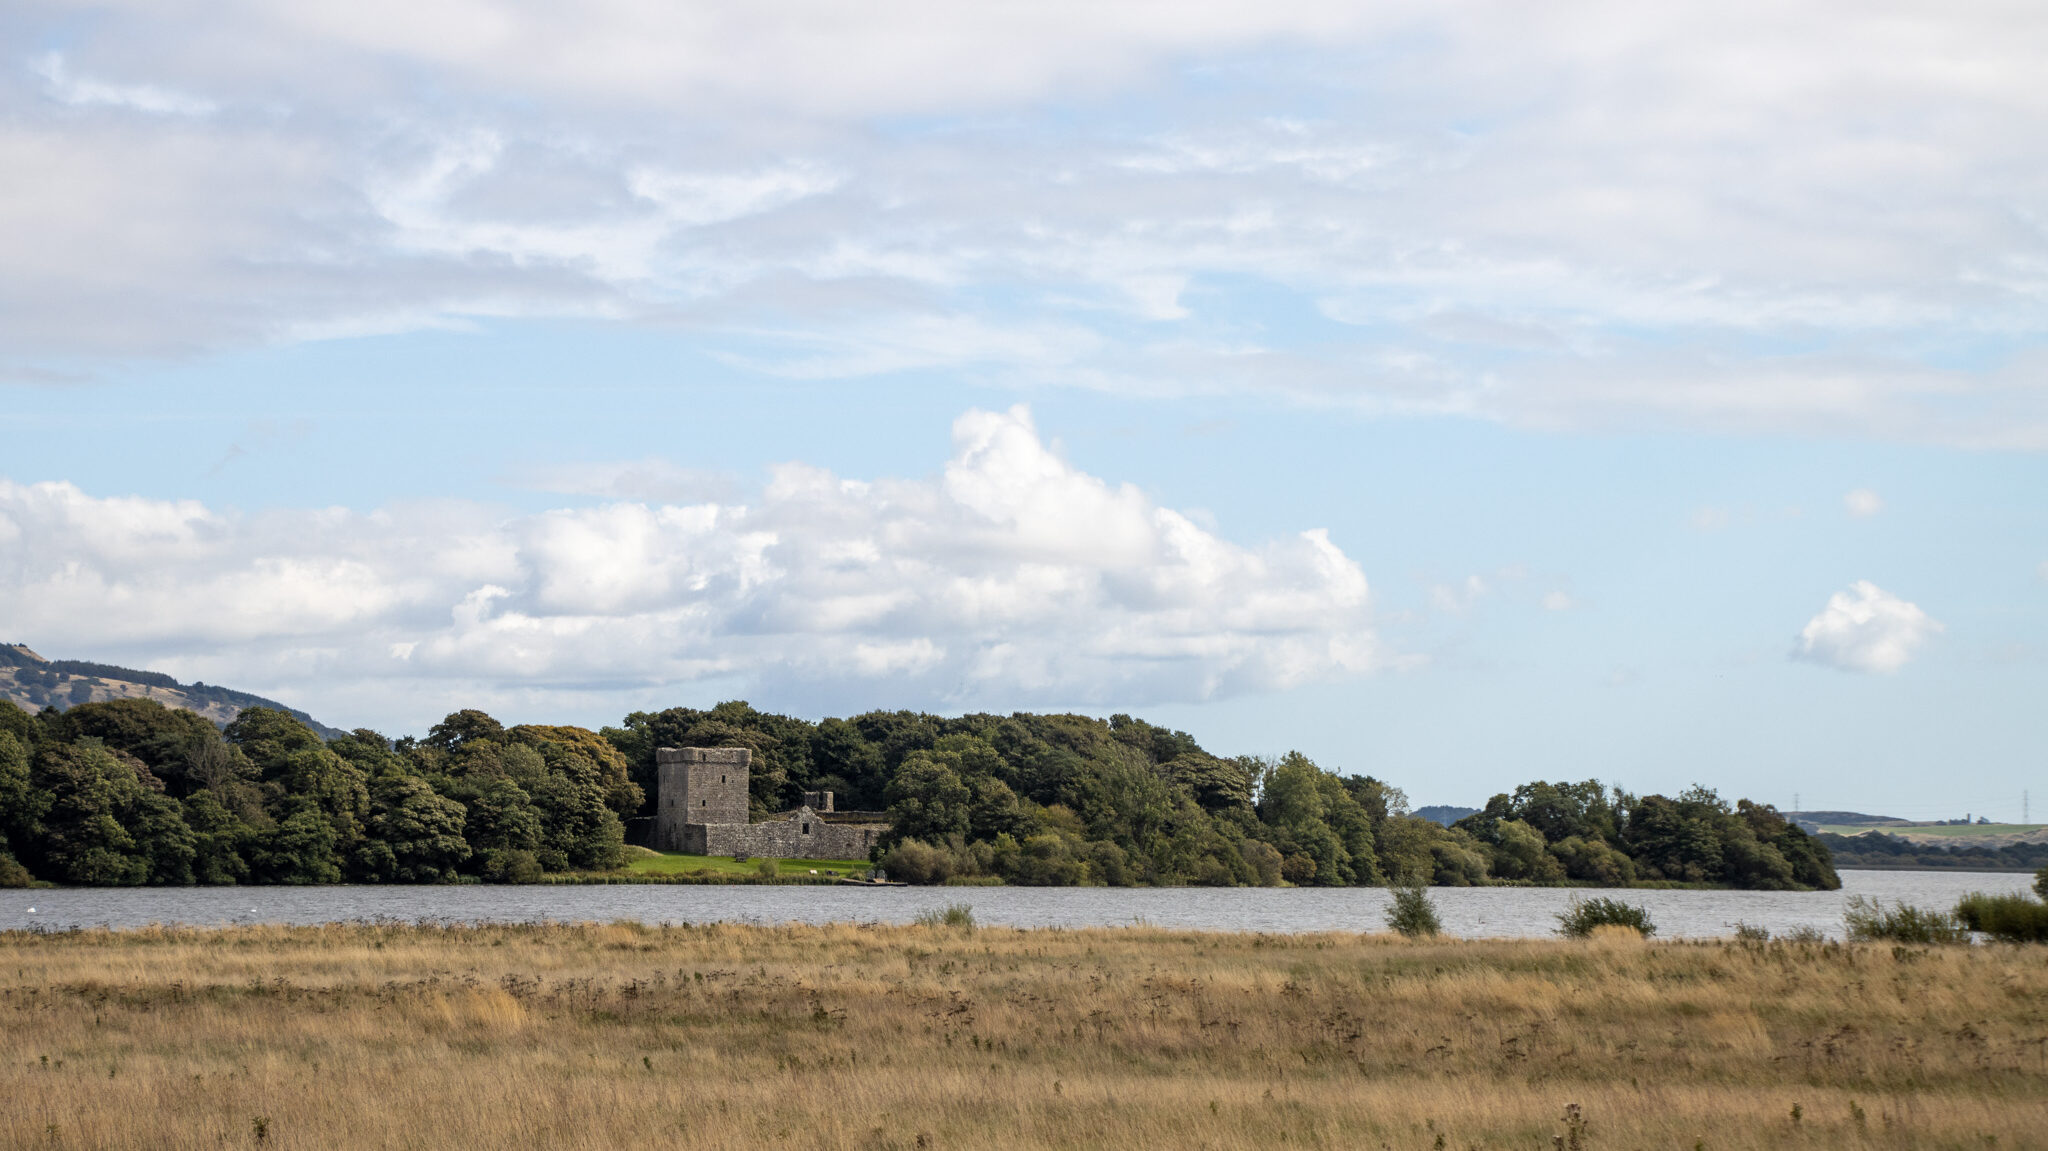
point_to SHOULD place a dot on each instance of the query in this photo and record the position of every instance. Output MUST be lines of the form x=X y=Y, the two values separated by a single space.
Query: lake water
x=1469 y=911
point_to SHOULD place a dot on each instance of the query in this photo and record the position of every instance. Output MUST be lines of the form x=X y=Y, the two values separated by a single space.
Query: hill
x=1443 y=813
x=1881 y=851
x=1840 y=818
x=33 y=682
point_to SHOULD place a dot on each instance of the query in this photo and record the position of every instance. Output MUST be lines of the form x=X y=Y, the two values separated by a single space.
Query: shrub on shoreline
x=1583 y=916
x=2012 y=918
x=1412 y=913
x=1868 y=920
x=959 y=915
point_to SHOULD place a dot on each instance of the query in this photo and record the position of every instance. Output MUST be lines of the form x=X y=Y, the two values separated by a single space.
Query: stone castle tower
x=706 y=785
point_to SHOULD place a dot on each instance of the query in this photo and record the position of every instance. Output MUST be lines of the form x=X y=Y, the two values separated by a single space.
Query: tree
x=415 y=836
x=1323 y=834
x=841 y=754
x=222 y=841
x=1518 y=853
x=271 y=738
x=928 y=800
x=1594 y=861
x=299 y=850
x=169 y=741
x=1670 y=840
x=106 y=820
x=1215 y=784
x=22 y=802
x=462 y=727
x=20 y=724
x=503 y=828
x=595 y=759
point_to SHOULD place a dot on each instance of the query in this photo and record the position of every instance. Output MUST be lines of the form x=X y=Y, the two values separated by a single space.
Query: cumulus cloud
x=1013 y=579
x=1863 y=503
x=1498 y=210
x=1865 y=628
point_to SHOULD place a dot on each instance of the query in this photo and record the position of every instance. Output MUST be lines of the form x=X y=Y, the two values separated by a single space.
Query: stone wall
x=802 y=834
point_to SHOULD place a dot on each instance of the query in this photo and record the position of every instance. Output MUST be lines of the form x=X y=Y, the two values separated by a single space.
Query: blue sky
x=1459 y=393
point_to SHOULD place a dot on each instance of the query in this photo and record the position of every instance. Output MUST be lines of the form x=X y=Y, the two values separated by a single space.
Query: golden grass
x=624 y=1036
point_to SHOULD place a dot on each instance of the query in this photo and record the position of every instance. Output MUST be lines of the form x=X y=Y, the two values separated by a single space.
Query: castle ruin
x=701 y=809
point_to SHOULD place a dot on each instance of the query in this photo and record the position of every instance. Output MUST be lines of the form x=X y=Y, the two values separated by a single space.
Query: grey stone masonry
x=701 y=809
x=698 y=785
x=799 y=834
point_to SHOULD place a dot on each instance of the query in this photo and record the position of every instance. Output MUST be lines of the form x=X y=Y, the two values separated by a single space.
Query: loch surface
x=1469 y=911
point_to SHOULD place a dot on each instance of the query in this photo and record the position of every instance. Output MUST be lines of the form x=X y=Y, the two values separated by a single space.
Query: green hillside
x=32 y=682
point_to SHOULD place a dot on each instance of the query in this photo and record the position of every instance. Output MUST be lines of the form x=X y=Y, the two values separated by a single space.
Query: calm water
x=1496 y=911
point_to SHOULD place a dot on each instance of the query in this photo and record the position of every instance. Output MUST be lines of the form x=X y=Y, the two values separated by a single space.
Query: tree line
x=131 y=792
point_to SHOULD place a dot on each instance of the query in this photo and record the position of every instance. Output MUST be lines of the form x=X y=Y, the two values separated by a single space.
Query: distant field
x=1956 y=830
x=675 y=863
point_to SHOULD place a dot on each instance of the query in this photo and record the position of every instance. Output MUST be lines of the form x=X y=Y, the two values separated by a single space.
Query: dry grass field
x=623 y=1036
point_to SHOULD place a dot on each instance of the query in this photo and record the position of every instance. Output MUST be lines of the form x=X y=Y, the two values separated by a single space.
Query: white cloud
x=1863 y=503
x=80 y=91
x=1012 y=580
x=1509 y=211
x=1457 y=598
x=1865 y=629
x=1558 y=601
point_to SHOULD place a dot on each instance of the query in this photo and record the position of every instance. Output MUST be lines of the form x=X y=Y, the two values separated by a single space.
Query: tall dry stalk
x=874 y=1037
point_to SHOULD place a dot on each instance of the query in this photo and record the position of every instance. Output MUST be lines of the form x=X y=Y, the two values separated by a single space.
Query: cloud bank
x=1728 y=214
x=1011 y=580
x=1865 y=628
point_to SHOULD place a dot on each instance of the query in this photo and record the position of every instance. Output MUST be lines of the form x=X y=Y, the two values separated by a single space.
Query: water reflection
x=1469 y=912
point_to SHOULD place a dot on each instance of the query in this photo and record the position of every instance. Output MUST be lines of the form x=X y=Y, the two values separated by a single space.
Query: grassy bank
x=644 y=862
x=644 y=866
x=879 y=1037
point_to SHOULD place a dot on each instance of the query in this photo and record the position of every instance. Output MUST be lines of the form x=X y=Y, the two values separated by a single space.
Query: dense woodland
x=131 y=792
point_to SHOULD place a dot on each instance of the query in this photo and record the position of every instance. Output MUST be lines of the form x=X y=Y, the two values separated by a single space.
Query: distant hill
x=1840 y=818
x=1443 y=813
x=34 y=683
x=1879 y=851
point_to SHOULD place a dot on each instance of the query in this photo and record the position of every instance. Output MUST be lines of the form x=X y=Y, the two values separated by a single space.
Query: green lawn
x=675 y=863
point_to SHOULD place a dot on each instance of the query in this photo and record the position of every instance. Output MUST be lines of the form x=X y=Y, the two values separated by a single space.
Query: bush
x=2041 y=883
x=912 y=861
x=2007 y=918
x=1579 y=920
x=1412 y=913
x=1868 y=920
x=767 y=869
x=952 y=915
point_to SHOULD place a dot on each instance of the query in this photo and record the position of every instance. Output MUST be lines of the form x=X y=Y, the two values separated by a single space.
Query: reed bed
x=871 y=1037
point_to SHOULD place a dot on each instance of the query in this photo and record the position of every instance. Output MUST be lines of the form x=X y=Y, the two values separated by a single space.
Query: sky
x=1463 y=393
